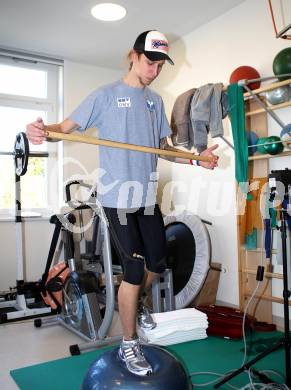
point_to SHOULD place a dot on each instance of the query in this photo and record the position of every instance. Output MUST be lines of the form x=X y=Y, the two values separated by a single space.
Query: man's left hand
x=214 y=158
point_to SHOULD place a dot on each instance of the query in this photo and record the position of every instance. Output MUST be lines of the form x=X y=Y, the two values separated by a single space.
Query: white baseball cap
x=154 y=45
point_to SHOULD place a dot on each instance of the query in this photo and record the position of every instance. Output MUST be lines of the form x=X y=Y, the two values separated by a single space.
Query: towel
x=176 y=327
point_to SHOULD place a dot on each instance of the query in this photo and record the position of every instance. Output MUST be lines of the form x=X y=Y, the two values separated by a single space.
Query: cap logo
x=159 y=44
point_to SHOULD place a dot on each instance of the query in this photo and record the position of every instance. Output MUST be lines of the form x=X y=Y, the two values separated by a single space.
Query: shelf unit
x=249 y=260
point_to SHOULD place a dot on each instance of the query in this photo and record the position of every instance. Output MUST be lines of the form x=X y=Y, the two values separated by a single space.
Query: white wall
x=79 y=80
x=243 y=36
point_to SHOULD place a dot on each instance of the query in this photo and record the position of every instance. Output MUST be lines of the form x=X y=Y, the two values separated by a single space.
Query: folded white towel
x=174 y=338
x=176 y=327
x=162 y=330
x=190 y=320
x=182 y=314
x=180 y=338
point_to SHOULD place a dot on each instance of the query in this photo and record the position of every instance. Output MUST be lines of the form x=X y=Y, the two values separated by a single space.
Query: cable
x=262 y=386
x=251 y=380
x=279 y=374
x=252 y=385
x=220 y=376
x=244 y=320
x=256 y=288
x=265 y=386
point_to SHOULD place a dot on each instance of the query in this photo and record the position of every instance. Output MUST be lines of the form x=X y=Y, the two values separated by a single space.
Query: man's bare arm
x=36 y=131
x=66 y=127
x=164 y=144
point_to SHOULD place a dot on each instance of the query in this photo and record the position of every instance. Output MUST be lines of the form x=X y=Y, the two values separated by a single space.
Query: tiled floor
x=21 y=344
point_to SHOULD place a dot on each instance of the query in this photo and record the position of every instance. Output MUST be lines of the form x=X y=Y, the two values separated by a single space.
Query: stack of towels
x=176 y=326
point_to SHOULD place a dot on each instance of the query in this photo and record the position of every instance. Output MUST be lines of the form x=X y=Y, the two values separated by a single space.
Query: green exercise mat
x=212 y=354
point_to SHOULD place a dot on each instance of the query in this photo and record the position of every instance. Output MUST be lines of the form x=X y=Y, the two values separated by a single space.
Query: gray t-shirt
x=127 y=179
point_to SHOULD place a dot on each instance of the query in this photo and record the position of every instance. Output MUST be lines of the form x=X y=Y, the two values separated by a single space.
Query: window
x=29 y=89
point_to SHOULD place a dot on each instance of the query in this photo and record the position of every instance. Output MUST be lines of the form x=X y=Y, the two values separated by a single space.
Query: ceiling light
x=108 y=12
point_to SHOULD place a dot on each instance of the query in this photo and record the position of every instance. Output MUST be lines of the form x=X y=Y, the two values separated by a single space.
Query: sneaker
x=131 y=353
x=144 y=318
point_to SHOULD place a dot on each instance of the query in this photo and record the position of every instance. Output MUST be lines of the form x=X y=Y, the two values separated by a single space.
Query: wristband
x=196 y=162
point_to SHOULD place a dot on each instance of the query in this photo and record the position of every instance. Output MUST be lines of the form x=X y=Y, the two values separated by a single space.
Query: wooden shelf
x=260 y=250
x=269 y=298
x=275 y=107
x=268 y=87
x=266 y=156
x=266 y=274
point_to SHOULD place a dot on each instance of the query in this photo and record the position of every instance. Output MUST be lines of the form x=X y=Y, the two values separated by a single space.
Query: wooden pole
x=268 y=87
x=265 y=88
x=121 y=145
x=274 y=107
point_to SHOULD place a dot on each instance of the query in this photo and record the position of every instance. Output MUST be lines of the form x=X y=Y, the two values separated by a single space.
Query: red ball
x=245 y=72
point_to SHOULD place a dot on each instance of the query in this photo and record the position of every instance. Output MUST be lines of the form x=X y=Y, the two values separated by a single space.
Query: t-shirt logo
x=123 y=102
x=150 y=105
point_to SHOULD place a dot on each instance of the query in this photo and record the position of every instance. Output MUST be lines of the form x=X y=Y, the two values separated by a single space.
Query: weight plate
x=21 y=154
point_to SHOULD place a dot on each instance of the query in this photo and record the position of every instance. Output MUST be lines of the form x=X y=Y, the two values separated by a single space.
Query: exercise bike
x=82 y=293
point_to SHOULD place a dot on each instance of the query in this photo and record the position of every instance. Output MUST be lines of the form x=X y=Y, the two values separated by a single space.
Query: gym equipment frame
x=21 y=308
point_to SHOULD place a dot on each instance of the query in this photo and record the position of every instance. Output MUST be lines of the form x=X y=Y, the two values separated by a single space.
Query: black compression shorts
x=139 y=239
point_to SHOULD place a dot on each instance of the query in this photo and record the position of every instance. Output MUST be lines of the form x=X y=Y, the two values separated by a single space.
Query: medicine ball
x=282 y=63
x=260 y=145
x=245 y=72
x=273 y=145
x=252 y=139
x=278 y=95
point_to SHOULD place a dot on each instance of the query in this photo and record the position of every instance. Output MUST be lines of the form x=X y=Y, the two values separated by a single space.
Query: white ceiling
x=66 y=29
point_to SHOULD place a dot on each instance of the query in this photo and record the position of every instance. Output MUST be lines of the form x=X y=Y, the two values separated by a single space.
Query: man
x=128 y=111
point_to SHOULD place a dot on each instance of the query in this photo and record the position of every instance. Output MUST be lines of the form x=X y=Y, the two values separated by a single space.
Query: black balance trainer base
x=109 y=372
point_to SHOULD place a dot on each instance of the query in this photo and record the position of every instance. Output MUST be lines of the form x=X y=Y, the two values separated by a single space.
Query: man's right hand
x=35 y=132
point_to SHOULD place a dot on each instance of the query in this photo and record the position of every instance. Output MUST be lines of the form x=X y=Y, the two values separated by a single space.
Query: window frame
x=53 y=105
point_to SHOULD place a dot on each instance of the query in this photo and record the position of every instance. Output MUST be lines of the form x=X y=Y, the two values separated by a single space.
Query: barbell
x=21 y=154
